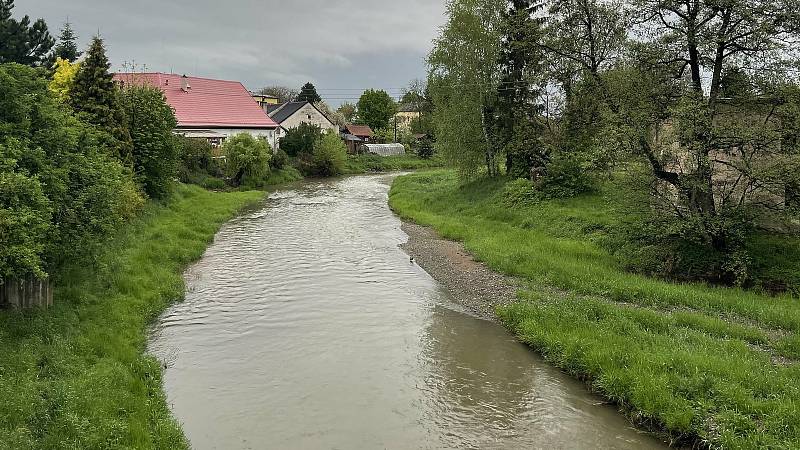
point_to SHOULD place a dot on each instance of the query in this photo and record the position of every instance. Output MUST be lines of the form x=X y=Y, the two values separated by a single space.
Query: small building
x=264 y=100
x=291 y=114
x=354 y=136
x=404 y=116
x=209 y=109
x=384 y=149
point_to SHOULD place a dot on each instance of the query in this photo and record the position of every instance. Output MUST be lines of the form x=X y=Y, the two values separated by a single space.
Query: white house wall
x=270 y=134
x=309 y=114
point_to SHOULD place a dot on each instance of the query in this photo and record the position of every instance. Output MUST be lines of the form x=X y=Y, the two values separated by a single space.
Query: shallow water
x=306 y=327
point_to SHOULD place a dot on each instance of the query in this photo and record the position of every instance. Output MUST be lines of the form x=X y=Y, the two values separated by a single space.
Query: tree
x=308 y=93
x=95 y=97
x=301 y=139
x=282 y=93
x=376 y=109
x=335 y=117
x=21 y=42
x=67 y=48
x=156 y=151
x=63 y=79
x=521 y=61
x=247 y=160
x=348 y=111
x=463 y=82
x=329 y=157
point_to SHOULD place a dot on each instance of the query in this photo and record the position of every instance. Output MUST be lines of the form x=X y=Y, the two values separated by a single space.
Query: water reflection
x=306 y=327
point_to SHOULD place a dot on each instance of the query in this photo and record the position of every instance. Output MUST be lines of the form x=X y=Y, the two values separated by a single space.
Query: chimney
x=185 y=86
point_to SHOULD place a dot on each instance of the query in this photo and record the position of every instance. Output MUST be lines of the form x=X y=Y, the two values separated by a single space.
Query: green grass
x=374 y=163
x=76 y=376
x=283 y=176
x=707 y=365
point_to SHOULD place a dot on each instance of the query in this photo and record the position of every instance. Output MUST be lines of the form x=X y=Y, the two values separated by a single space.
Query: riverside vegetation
x=707 y=365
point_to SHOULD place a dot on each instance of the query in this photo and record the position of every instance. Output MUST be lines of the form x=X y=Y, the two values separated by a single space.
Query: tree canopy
x=67 y=48
x=376 y=109
x=308 y=93
x=282 y=93
x=22 y=42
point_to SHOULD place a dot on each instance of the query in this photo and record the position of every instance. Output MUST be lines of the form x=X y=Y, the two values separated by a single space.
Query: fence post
x=25 y=294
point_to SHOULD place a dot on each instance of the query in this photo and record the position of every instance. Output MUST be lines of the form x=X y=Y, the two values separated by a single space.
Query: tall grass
x=76 y=376
x=709 y=365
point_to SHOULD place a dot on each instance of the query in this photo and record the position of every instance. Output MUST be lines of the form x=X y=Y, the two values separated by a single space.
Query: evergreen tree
x=66 y=48
x=95 y=96
x=308 y=93
x=21 y=42
x=520 y=61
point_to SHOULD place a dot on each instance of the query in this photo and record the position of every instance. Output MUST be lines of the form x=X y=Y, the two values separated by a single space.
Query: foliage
x=279 y=159
x=566 y=177
x=383 y=135
x=329 y=157
x=462 y=83
x=95 y=383
x=333 y=115
x=348 y=111
x=710 y=366
x=286 y=175
x=369 y=163
x=89 y=194
x=376 y=109
x=21 y=42
x=301 y=139
x=66 y=48
x=197 y=158
x=24 y=221
x=96 y=98
x=526 y=154
x=425 y=148
x=64 y=79
x=156 y=152
x=247 y=160
x=282 y=93
x=308 y=93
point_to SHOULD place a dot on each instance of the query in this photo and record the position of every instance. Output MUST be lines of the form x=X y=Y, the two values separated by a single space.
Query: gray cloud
x=348 y=44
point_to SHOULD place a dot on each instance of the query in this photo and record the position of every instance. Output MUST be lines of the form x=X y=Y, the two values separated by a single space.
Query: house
x=355 y=136
x=264 y=100
x=209 y=109
x=405 y=115
x=291 y=114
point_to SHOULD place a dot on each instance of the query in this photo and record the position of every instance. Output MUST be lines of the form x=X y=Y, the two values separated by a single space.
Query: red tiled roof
x=209 y=103
x=359 y=130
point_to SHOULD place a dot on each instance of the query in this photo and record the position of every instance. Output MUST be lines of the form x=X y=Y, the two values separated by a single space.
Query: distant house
x=264 y=100
x=208 y=109
x=355 y=136
x=405 y=115
x=291 y=114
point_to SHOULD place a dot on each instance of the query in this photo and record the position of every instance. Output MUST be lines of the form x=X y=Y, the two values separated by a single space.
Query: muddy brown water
x=306 y=327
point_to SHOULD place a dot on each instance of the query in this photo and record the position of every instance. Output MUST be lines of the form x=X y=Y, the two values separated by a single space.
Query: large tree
x=67 y=48
x=463 y=82
x=95 y=96
x=22 y=42
x=376 y=109
x=308 y=93
x=282 y=93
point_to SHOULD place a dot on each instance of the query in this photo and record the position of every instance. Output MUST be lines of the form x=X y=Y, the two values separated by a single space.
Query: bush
x=425 y=150
x=519 y=192
x=24 y=220
x=197 y=160
x=279 y=159
x=247 y=160
x=565 y=178
x=330 y=156
x=156 y=151
x=301 y=139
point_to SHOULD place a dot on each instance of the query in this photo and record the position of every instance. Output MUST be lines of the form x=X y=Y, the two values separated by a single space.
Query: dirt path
x=471 y=283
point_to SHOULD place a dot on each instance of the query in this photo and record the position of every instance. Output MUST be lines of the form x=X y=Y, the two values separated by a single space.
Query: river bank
x=76 y=375
x=707 y=366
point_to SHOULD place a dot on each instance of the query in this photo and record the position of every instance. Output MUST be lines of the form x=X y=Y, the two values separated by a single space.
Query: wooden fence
x=24 y=294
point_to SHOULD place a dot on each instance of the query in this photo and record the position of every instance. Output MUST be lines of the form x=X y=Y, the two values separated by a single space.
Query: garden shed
x=384 y=149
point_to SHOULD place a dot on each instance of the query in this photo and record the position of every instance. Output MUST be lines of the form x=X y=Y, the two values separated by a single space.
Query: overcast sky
x=341 y=46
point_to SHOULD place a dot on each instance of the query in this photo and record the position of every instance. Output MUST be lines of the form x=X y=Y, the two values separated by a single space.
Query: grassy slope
x=76 y=376
x=373 y=163
x=712 y=365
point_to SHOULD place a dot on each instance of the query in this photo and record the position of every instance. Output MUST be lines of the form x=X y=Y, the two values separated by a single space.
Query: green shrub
x=197 y=158
x=301 y=140
x=330 y=156
x=519 y=192
x=24 y=220
x=425 y=149
x=247 y=160
x=156 y=151
x=566 y=177
x=279 y=159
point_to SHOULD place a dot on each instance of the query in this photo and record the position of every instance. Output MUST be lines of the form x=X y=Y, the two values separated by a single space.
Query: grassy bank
x=374 y=163
x=76 y=376
x=713 y=366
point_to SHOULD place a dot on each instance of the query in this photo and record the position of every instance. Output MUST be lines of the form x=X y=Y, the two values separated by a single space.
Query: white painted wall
x=309 y=114
x=270 y=134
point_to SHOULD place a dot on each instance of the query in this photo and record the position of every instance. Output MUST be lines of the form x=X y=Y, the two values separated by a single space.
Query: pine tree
x=21 y=42
x=308 y=93
x=95 y=97
x=66 y=48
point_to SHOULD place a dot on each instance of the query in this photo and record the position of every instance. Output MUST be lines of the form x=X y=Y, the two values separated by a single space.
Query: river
x=306 y=327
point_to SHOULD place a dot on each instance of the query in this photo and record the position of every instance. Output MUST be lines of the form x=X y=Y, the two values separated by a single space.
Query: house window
x=309 y=116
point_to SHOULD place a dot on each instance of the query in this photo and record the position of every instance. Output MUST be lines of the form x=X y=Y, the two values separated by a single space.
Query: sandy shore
x=471 y=283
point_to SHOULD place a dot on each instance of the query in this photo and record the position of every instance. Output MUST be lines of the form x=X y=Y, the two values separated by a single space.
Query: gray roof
x=284 y=111
x=271 y=108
